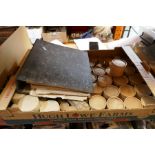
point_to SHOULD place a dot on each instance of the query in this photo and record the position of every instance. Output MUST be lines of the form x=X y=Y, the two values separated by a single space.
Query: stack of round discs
x=107 y=70
x=115 y=103
x=132 y=103
x=142 y=90
x=98 y=71
x=127 y=91
x=117 y=67
x=97 y=90
x=119 y=81
x=29 y=104
x=94 y=78
x=64 y=106
x=148 y=101
x=135 y=79
x=111 y=91
x=104 y=81
x=97 y=102
x=50 y=105
x=129 y=70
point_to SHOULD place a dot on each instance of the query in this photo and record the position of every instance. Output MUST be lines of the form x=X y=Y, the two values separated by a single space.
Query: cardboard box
x=100 y=115
x=12 y=54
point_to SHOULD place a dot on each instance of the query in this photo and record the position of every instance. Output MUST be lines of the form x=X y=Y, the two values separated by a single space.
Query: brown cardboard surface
x=13 y=50
x=96 y=114
x=147 y=76
x=7 y=93
x=13 y=114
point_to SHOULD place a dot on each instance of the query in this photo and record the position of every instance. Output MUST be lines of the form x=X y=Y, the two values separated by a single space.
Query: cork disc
x=104 y=81
x=99 y=65
x=50 y=105
x=29 y=104
x=111 y=91
x=127 y=91
x=97 y=89
x=135 y=79
x=64 y=106
x=119 y=81
x=80 y=105
x=97 y=102
x=119 y=62
x=115 y=103
x=132 y=103
x=98 y=71
x=148 y=101
x=129 y=70
x=142 y=90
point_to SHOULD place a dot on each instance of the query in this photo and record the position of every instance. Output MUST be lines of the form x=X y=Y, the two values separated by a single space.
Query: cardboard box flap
x=13 y=50
x=147 y=76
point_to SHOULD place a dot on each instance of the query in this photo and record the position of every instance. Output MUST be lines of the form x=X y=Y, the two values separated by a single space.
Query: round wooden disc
x=97 y=90
x=115 y=103
x=119 y=81
x=29 y=103
x=111 y=91
x=132 y=103
x=127 y=91
x=148 y=101
x=98 y=71
x=97 y=102
x=104 y=81
x=64 y=106
x=50 y=105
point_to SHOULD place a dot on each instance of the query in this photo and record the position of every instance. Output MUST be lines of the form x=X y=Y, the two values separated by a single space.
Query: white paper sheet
x=83 y=44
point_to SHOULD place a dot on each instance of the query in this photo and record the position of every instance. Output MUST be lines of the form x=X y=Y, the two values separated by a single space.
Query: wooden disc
x=80 y=105
x=29 y=104
x=97 y=90
x=50 y=105
x=127 y=91
x=148 y=101
x=64 y=106
x=104 y=81
x=97 y=102
x=133 y=103
x=119 y=81
x=98 y=71
x=115 y=103
x=111 y=91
